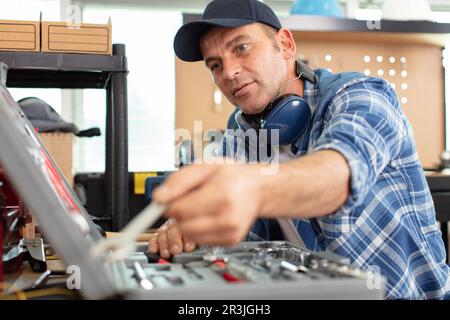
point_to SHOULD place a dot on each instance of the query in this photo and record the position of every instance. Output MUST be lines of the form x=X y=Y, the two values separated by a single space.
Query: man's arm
x=217 y=204
x=311 y=186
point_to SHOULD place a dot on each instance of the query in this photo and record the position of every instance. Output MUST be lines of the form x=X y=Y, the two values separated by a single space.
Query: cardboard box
x=60 y=147
x=20 y=35
x=87 y=38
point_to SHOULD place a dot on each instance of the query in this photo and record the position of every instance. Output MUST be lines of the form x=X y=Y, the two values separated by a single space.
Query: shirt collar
x=311 y=94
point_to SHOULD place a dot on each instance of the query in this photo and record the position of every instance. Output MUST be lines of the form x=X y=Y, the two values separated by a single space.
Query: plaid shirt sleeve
x=365 y=127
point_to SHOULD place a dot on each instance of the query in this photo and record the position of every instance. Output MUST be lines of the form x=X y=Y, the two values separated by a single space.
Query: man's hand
x=169 y=241
x=213 y=204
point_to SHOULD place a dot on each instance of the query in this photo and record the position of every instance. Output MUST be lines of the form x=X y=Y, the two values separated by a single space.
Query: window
x=30 y=9
x=148 y=36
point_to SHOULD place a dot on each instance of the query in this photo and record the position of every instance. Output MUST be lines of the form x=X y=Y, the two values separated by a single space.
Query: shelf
x=330 y=24
x=320 y=27
x=56 y=79
x=55 y=70
x=63 y=61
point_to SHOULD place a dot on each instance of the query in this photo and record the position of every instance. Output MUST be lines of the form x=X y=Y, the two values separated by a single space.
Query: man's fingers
x=169 y=240
x=175 y=241
x=181 y=182
x=189 y=245
x=153 y=243
x=163 y=243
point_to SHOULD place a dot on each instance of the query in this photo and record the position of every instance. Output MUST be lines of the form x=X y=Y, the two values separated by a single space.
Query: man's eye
x=214 y=66
x=241 y=48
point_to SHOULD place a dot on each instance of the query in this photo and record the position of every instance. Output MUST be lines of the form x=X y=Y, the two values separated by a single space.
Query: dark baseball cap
x=221 y=13
x=43 y=117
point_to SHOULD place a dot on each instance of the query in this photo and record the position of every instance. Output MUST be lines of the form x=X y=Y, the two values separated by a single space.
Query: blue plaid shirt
x=388 y=221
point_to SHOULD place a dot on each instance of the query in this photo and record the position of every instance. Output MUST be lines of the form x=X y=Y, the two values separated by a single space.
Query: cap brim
x=187 y=40
x=48 y=126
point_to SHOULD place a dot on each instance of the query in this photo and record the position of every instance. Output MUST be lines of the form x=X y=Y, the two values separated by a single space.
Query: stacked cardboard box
x=85 y=38
x=20 y=35
x=58 y=37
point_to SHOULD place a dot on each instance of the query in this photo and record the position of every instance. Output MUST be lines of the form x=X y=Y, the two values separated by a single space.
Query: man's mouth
x=241 y=90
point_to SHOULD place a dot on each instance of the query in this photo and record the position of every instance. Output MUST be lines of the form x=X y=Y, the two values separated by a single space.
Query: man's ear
x=287 y=43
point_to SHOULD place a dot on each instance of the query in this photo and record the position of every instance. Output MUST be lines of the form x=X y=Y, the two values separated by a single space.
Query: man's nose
x=231 y=70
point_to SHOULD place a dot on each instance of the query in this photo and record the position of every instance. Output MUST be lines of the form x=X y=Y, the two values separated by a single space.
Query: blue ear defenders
x=289 y=113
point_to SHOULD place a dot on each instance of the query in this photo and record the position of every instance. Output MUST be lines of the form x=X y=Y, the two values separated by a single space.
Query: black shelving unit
x=87 y=71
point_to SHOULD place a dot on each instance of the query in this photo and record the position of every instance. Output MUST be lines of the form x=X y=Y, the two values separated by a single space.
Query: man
x=351 y=181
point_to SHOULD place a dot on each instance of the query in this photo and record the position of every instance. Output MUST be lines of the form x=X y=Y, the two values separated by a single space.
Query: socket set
x=263 y=263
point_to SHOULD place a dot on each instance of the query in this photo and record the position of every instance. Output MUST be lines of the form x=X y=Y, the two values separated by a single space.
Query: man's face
x=245 y=64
